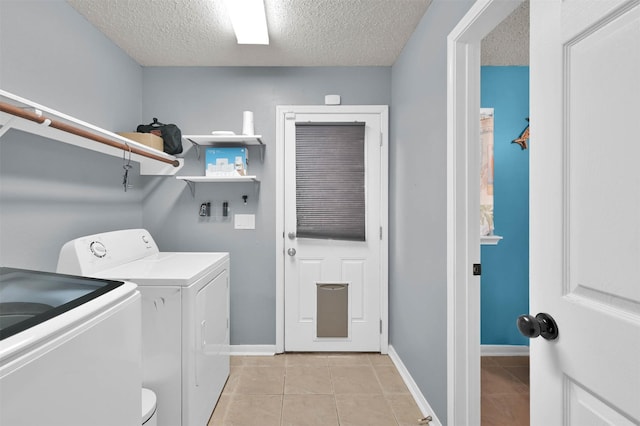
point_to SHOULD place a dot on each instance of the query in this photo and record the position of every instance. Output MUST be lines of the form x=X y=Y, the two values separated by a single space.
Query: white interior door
x=334 y=292
x=585 y=211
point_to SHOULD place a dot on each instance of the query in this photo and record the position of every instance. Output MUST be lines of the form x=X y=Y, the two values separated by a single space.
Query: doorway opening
x=463 y=206
x=504 y=202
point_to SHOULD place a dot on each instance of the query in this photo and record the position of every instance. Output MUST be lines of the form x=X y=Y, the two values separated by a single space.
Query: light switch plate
x=244 y=221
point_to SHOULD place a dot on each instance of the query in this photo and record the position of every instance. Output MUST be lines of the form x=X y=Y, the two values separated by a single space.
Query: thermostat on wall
x=332 y=100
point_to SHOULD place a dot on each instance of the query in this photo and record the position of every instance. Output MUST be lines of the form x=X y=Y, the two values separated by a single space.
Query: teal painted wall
x=505 y=267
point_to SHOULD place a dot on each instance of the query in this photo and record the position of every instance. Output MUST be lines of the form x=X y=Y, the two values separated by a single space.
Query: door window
x=330 y=181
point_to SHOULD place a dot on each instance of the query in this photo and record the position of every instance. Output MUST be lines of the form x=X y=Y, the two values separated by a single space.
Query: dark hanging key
x=125 y=177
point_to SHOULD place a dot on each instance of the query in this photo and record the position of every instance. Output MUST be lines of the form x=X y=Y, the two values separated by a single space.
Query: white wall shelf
x=192 y=180
x=222 y=140
x=490 y=240
x=218 y=179
x=226 y=140
x=51 y=123
x=209 y=140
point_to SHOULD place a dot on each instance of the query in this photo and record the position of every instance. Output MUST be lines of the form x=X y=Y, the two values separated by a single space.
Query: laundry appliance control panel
x=95 y=253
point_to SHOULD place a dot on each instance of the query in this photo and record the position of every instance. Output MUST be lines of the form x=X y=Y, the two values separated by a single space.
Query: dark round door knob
x=540 y=325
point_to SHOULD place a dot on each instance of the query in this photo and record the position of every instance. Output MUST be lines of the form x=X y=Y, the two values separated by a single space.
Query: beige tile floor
x=505 y=391
x=315 y=389
x=353 y=389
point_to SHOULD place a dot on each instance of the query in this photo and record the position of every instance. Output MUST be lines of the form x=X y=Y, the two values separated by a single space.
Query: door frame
x=463 y=206
x=383 y=111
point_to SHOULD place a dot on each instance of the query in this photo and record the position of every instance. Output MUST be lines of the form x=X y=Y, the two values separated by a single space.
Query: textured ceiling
x=508 y=43
x=301 y=32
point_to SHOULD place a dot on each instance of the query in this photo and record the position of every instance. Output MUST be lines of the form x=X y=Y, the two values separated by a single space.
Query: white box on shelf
x=226 y=162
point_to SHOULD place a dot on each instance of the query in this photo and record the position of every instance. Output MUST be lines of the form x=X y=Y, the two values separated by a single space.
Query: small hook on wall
x=244 y=199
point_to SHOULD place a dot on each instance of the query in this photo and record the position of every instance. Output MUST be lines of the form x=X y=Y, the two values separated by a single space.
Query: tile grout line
x=384 y=396
x=333 y=392
x=284 y=387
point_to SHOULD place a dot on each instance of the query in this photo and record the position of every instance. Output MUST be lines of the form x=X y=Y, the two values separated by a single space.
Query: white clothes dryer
x=185 y=316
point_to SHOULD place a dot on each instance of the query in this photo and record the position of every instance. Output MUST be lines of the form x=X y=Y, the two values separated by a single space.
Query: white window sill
x=490 y=240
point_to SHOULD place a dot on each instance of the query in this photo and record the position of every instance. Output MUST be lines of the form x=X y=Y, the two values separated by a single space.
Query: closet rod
x=31 y=116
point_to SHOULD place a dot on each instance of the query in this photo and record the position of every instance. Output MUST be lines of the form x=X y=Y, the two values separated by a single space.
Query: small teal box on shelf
x=228 y=161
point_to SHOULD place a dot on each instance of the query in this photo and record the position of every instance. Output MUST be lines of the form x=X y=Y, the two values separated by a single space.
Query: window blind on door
x=330 y=181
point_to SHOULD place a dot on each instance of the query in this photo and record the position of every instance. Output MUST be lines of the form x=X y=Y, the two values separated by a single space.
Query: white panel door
x=316 y=267
x=585 y=211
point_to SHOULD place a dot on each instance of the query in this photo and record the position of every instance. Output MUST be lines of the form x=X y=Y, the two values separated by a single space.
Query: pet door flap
x=332 y=310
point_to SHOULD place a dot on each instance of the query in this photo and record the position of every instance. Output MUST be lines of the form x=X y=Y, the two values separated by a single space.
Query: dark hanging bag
x=170 y=134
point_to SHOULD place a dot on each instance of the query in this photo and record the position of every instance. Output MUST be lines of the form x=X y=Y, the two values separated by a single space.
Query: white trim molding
x=421 y=401
x=463 y=206
x=256 y=350
x=504 y=350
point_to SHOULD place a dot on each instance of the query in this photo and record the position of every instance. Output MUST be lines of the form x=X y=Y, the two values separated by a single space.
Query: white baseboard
x=256 y=350
x=422 y=402
x=504 y=350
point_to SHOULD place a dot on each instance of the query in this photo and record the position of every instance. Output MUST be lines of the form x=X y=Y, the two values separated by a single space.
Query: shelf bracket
x=261 y=147
x=6 y=126
x=192 y=187
x=196 y=146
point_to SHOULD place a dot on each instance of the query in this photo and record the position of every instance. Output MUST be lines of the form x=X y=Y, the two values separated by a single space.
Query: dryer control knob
x=98 y=249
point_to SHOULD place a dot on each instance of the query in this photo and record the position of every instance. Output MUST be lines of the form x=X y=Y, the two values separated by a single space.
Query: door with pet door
x=334 y=192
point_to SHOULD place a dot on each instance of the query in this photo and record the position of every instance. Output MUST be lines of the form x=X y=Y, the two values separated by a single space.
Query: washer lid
x=29 y=298
x=167 y=268
x=148 y=404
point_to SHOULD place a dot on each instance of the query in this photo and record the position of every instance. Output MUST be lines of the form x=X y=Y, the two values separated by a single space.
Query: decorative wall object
x=523 y=138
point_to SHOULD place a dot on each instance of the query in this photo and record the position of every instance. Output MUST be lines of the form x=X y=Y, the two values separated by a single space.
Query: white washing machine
x=185 y=316
x=69 y=350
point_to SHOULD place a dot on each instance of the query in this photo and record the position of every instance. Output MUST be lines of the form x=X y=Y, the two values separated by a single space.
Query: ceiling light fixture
x=249 y=21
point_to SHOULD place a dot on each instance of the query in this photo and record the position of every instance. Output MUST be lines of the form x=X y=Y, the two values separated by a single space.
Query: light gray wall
x=200 y=100
x=418 y=239
x=51 y=192
x=51 y=55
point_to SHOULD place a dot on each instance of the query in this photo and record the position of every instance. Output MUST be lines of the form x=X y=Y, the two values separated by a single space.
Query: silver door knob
x=292 y=235
x=291 y=251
